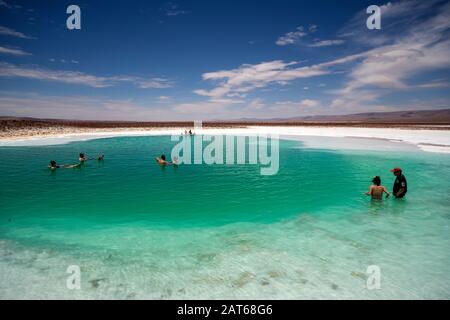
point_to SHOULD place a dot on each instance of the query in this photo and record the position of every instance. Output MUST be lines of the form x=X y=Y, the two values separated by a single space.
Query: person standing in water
x=400 y=185
x=376 y=190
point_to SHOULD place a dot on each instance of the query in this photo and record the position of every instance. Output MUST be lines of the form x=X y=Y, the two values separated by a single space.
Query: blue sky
x=202 y=60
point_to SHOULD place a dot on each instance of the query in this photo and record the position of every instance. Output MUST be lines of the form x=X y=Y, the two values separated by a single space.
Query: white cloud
x=14 y=52
x=80 y=107
x=292 y=37
x=248 y=77
x=13 y=33
x=421 y=47
x=79 y=78
x=173 y=10
x=312 y=28
x=71 y=77
x=9 y=6
x=155 y=83
x=326 y=43
x=5 y=4
x=299 y=33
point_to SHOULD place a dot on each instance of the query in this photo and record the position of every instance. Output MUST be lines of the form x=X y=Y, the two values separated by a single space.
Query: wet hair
x=163 y=157
x=81 y=155
x=53 y=163
x=376 y=180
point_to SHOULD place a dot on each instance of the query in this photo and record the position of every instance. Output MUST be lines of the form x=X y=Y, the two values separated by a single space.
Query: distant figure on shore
x=376 y=190
x=400 y=185
x=53 y=165
x=162 y=161
x=191 y=133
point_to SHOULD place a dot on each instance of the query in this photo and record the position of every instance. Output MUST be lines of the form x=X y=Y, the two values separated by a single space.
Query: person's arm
x=387 y=192
x=403 y=185
x=400 y=192
x=370 y=191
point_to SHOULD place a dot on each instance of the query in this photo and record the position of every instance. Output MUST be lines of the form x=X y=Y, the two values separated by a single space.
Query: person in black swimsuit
x=400 y=185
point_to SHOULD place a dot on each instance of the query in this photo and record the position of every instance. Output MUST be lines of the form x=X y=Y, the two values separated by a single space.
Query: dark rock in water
x=96 y=282
x=265 y=282
x=334 y=286
x=303 y=281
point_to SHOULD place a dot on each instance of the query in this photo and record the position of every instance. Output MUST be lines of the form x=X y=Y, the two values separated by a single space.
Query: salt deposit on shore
x=428 y=140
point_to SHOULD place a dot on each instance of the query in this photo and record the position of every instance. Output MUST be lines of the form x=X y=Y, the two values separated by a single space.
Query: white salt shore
x=427 y=140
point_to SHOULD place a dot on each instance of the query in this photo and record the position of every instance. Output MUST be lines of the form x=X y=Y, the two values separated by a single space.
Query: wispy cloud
x=64 y=61
x=326 y=43
x=8 y=5
x=155 y=83
x=14 y=52
x=250 y=77
x=293 y=36
x=299 y=37
x=79 y=78
x=172 y=10
x=419 y=47
x=13 y=33
x=71 y=77
x=4 y=4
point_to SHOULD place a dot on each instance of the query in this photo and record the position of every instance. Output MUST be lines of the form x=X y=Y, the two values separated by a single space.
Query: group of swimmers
x=376 y=190
x=53 y=165
x=82 y=159
x=399 y=189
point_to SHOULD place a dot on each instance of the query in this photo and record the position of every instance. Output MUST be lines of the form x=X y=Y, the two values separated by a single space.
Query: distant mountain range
x=421 y=116
x=441 y=116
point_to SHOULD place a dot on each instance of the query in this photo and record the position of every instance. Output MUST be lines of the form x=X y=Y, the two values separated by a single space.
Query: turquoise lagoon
x=140 y=231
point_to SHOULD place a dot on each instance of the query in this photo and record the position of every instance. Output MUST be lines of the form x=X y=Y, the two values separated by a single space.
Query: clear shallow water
x=140 y=231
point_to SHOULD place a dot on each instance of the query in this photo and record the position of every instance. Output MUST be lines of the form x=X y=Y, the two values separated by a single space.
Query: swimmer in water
x=99 y=158
x=53 y=165
x=162 y=161
x=376 y=190
x=83 y=158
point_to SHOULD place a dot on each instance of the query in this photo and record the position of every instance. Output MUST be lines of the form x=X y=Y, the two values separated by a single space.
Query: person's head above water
x=81 y=155
x=163 y=157
x=53 y=163
x=376 y=180
x=397 y=171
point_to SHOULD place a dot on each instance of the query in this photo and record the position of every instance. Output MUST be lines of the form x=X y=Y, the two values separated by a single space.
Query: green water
x=138 y=230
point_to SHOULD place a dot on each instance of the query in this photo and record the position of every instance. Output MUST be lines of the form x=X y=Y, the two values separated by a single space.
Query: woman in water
x=53 y=165
x=376 y=190
x=162 y=161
